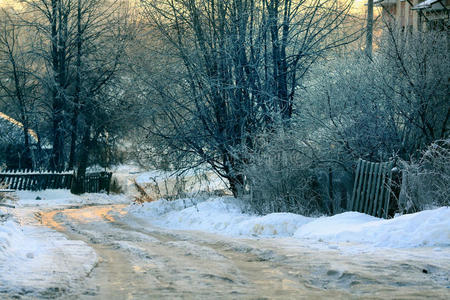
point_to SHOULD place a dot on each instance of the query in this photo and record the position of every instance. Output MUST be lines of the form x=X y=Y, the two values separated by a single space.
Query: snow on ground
x=166 y=183
x=219 y=215
x=425 y=228
x=39 y=261
x=224 y=215
x=151 y=176
x=160 y=175
x=36 y=260
x=125 y=175
x=51 y=198
x=158 y=183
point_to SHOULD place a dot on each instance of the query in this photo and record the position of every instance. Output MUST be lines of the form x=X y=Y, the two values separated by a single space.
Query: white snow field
x=224 y=215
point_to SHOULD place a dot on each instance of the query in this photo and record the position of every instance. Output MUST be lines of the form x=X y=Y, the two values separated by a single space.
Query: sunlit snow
x=224 y=215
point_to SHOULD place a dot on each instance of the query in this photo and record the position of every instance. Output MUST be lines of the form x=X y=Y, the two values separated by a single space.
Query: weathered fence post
x=372 y=188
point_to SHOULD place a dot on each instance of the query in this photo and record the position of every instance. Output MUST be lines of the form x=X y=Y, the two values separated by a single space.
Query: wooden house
x=417 y=14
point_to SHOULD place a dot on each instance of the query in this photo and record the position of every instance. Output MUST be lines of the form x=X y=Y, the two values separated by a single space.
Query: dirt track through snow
x=138 y=261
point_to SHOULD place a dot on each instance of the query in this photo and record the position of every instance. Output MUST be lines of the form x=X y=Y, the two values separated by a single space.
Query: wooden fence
x=41 y=180
x=96 y=182
x=36 y=181
x=372 y=188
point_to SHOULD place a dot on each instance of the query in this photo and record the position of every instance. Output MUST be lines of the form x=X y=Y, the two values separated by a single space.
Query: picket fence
x=42 y=180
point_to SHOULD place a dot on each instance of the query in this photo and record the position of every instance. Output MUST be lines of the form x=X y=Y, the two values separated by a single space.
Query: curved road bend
x=144 y=262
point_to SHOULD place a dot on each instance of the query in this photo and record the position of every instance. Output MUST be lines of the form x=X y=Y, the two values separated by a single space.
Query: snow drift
x=219 y=215
x=425 y=228
x=224 y=215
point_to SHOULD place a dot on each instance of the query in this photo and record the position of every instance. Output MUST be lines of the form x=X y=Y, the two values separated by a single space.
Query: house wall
x=402 y=12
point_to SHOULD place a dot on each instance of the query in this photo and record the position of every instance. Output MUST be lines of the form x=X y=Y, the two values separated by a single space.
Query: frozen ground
x=139 y=260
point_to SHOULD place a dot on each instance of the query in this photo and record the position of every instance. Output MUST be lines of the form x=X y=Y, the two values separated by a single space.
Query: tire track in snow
x=140 y=261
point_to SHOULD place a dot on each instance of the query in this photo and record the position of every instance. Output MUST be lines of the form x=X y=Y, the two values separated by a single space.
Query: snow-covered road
x=139 y=261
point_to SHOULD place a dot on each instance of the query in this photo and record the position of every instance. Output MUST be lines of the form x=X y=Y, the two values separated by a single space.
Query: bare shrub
x=397 y=103
x=426 y=182
x=115 y=187
x=281 y=176
x=143 y=196
x=178 y=184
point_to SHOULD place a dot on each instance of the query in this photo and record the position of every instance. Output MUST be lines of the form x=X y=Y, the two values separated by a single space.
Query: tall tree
x=82 y=43
x=18 y=86
x=52 y=21
x=103 y=32
x=243 y=61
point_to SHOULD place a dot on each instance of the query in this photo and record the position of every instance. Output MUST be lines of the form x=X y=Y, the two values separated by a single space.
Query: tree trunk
x=83 y=159
x=236 y=185
x=73 y=139
x=27 y=162
x=76 y=100
x=58 y=143
x=369 y=33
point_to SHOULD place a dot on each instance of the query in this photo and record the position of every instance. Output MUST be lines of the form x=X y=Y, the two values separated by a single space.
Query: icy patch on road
x=39 y=261
x=224 y=215
x=192 y=249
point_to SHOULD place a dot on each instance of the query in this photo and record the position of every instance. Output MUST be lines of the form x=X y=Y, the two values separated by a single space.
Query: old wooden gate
x=372 y=188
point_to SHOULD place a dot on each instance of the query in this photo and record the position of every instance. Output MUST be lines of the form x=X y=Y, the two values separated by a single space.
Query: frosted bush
x=426 y=182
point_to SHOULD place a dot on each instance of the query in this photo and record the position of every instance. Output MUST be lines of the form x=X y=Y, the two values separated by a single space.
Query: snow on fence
x=372 y=188
x=42 y=180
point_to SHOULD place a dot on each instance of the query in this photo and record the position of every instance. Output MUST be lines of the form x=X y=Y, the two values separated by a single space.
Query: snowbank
x=224 y=215
x=425 y=228
x=220 y=215
x=34 y=260
x=14 y=242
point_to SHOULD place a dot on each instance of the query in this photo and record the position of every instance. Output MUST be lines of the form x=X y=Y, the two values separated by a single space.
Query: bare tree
x=415 y=68
x=18 y=85
x=369 y=33
x=52 y=21
x=396 y=104
x=82 y=43
x=100 y=107
x=238 y=65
